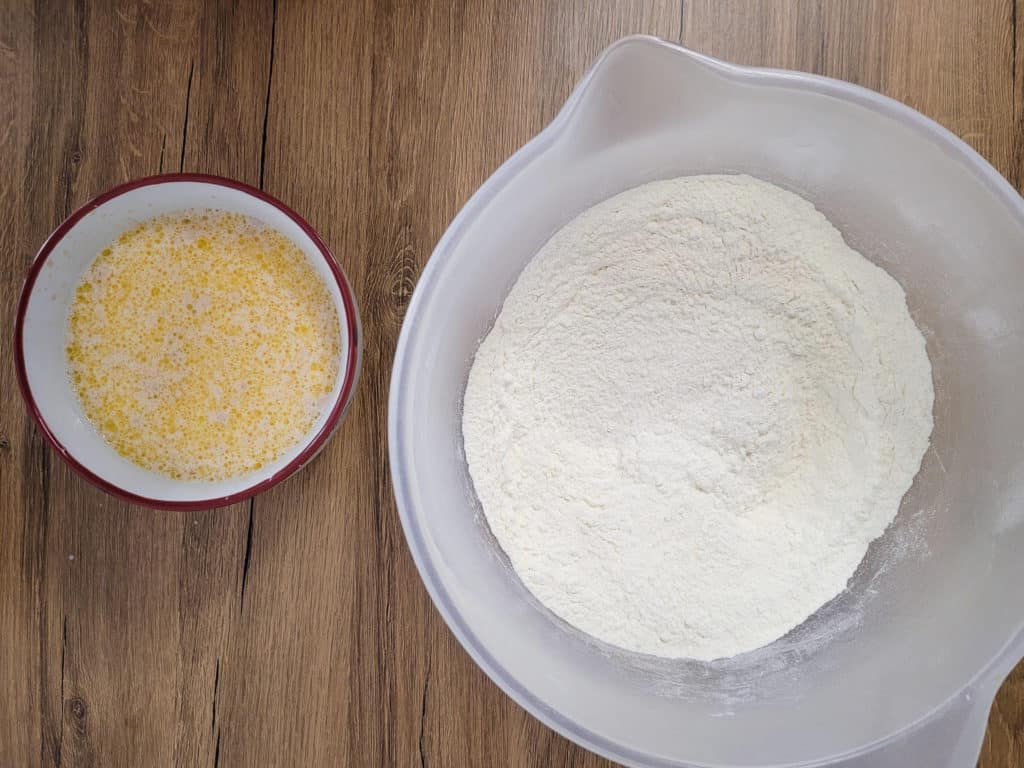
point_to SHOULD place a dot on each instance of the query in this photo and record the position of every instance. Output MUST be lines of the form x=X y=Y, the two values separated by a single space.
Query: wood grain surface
x=294 y=630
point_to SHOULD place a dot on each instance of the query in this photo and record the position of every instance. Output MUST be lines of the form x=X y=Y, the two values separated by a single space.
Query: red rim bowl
x=312 y=446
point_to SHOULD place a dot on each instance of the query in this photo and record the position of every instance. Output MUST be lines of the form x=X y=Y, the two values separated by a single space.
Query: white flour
x=697 y=408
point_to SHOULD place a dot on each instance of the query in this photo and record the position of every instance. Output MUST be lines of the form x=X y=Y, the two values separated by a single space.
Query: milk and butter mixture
x=696 y=409
x=203 y=344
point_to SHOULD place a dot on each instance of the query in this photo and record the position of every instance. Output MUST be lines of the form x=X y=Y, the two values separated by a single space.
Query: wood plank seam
x=184 y=130
x=1018 y=102
x=246 y=557
x=266 y=115
x=63 y=657
x=423 y=716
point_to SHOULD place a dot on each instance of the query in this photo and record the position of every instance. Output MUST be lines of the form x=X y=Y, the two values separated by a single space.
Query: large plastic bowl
x=901 y=668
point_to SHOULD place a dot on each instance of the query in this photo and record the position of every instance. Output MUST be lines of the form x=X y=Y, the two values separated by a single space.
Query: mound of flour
x=696 y=409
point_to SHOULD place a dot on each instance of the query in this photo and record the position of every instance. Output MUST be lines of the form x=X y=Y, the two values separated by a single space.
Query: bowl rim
x=312 y=446
x=410 y=508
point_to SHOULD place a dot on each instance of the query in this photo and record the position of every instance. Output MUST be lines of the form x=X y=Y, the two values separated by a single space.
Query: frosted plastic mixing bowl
x=900 y=669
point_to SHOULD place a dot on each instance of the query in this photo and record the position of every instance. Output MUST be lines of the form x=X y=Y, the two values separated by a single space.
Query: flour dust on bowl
x=901 y=668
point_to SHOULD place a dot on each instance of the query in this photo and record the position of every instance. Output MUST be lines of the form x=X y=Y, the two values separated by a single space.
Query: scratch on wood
x=188 y=100
x=682 y=21
x=216 y=685
x=423 y=717
x=157 y=32
x=266 y=103
x=248 y=554
x=163 y=146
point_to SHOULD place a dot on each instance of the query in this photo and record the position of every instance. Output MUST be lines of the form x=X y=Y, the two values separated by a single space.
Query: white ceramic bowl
x=901 y=668
x=41 y=327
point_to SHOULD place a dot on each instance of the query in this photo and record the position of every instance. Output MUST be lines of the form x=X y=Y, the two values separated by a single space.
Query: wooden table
x=294 y=630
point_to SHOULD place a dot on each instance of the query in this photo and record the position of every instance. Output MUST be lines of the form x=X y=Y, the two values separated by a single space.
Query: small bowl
x=41 y=327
